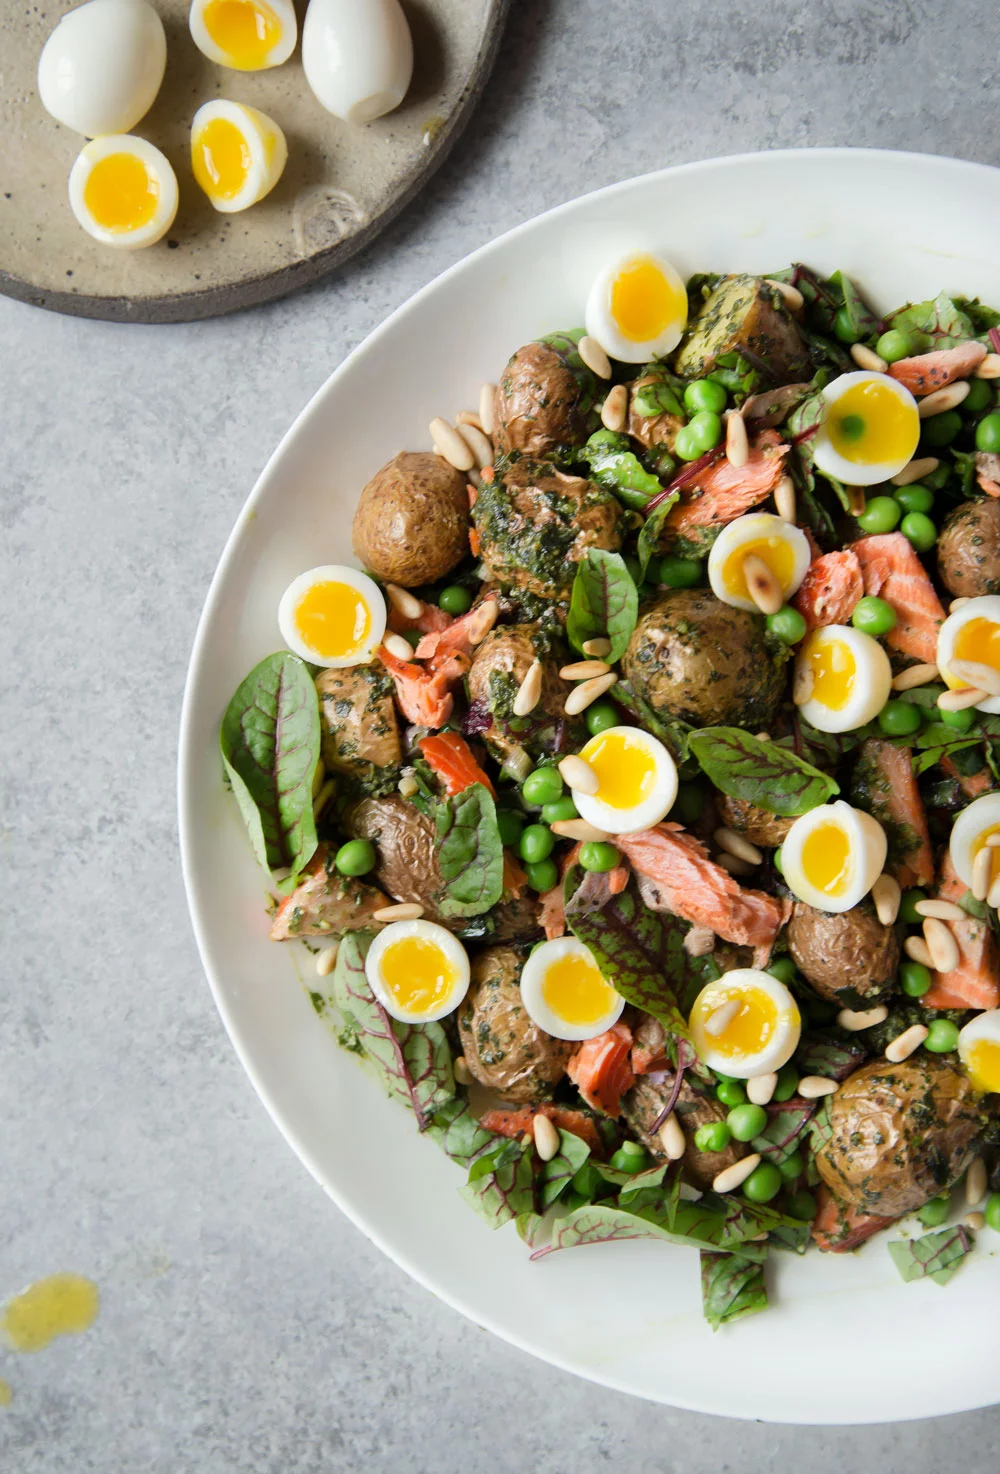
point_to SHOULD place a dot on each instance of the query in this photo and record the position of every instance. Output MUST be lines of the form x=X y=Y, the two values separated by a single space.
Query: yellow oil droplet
x=60 y=1305
x=432 y=127
x=6 y=1393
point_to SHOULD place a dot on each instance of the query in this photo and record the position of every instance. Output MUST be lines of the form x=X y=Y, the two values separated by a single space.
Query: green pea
x=635 y=1149
x=787 y=625
x=914 y=978
x=915 y=498
x=778 y=862
x=979 y=397
x=454 y=599
x=792 y=1167
x=942 y=1036
x=510 y=826
x=960 y=720
x=542 y=786
x=920 y=531
x=763 y=1184
x=844 y=328
x=993 y=1212
x=688 y=804
x=356 y=857
x=559 y=810
x=705 y=430
x=941 y=429
x=802 y=1205
x=746 y=1121
x=704 y=394
x=899 y=718
x=934 y=1213
x=881 y=514
x=600 y=715
x=587 y=1181
x=680 y=573
x=988 y=433
x=537 y=844
x=625 y=1161
x=731 y=1093
x=690 y=441
x=784 y=969
x=598 y=856
x=412 y=637
x=873 y=616
x=788 y=1082
x=542 y=875
x=894 y=345
x=907 y=905
x=714 y=1136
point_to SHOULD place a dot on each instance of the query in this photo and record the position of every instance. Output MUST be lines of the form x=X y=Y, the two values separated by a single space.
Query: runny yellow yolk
x=626 y=770
x=417 y=974
x=869 y=424
x=120 y=193
x=982 y=1063
x=333 y=619
x=774 y=551
x=575 y=990
x=978 y=844
x=826 y=859
x=644 y=303
x=833 y=670
x=749 y=1032
x=246 y=30
x=977 y=640
x=220 y=158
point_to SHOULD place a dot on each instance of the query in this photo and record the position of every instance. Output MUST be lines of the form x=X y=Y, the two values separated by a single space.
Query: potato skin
x=406 y=848
x=500 y=664
x=848 y=957
x=758 y=825
x=411 y=524
x=968 y=549
x=642 y=1105
x=541 y=401
x=693 y=657
x=504 y=1049
x=743 y=314
x=900 y=1134
x=326 y=903
x=359 y=727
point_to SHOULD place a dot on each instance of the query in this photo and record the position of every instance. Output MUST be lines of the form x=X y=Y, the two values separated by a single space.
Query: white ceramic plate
x=846 y=1341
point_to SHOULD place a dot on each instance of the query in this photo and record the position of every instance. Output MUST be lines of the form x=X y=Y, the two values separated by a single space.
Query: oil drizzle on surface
x=5 y=1393
x=59 y=1305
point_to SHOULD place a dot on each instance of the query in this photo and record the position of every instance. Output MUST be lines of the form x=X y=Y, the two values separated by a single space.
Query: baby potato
x=411 y=525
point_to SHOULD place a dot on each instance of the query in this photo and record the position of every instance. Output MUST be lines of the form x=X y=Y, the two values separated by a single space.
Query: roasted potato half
x=848 y=957
x=968 y=549
x=504 y=1049
x=745 y=315
x=359 y=726
x=545 y=399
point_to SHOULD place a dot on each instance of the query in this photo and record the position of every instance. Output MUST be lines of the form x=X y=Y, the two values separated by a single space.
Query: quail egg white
x=333 y=616
x=975 y=825
x=869 y=431
x=781 y=545
x=246 y=35
x=637 y=781
x=417 y=970
x=745 y=1024
x=972 y=634
x=637 y=308
x=979 y=1051
x=842 y=678
x=123 y=191
x=564 y=992
x=237 y=154
x=833 y=855
x=357 y=56
x=101 y=68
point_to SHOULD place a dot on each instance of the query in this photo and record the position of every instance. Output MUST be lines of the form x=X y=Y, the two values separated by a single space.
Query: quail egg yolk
x=833 y=670
x=869 y=423
x=120 y=193
x=332 y=619
x=417 y=974
x=982 y=1062
x=980 y=841
x=221 y=159
x=643 y=302
x=626 y=770
x=978 y=640
x=826 y=859
x=774 y=551
x=246 y=30
x=575 y=991
x=751 y=1029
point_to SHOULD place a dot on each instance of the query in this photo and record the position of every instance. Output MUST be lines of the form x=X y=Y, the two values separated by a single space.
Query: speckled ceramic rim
x=215 y=301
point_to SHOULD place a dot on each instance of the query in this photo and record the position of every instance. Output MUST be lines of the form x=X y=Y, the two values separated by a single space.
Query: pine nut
x=784 y=498
x=405 y=603
x=400 y=911
x=943 y=910
x=918 y=951
x=763 y=736
x=976 y=1182
x=813 y=1087
x=580 y=830
x=956 y=604
x=856 y=502
x=975 y=1220
x=720 y=1018
x=735 y=866
x=594 y=357
x=487 y=408
x=886 y=896
x=323 y=797
x=599 y=648
x=866 y=358
x=982 y=873
x=762 y=586
x=479 y=444
x=762 y=1087
x=699 y=941
x=468 y=417
x=915 y=470
x=407 y=786
x=854 y=1020
x=942 y=946
x=914 y=676
x=462 y=1072
x=737 y=444
x=581 y=670
x=673 y=1138
x=488 y=612
x=950 y=397
x=546 y=1137
x=735 y=844
x=579 y=775
x=988 y=367
x=803 y=684
x=614 y=410
x=326 y=960
x=793 y=297
x=529 y=692
x=732 y=1177
x=455 y=450
x=986 y=677
x=581 y=696
x=993 y=899
x=906 y=1043
x=396 y=645
x=961 y=700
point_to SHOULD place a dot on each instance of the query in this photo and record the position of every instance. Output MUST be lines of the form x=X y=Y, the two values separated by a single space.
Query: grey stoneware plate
x=341 y=186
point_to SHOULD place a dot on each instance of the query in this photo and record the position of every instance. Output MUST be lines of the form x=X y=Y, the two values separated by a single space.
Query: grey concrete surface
x=246 y=1326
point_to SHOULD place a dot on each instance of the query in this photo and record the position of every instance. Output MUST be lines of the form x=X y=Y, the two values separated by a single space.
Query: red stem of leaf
x=684 y=478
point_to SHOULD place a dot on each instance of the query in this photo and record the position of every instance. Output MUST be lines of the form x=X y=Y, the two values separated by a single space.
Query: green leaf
x=831 y=1053
x=941 y=320
x=458 y=1133
x=527 y=1225
x=982 y=317
x=565 y=344
x=556 y=1175
x=731 y=1287
x=783 y=1132
x=270 y=741
x=649 y=532
x=604 y=602
x=672 y=732
x=658 y=392
x=413 y=1061
x=760 y=773
x=860 y=316
x=933 y=1256
x=615 y=466
x=500 y=1184
x=470 y=852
